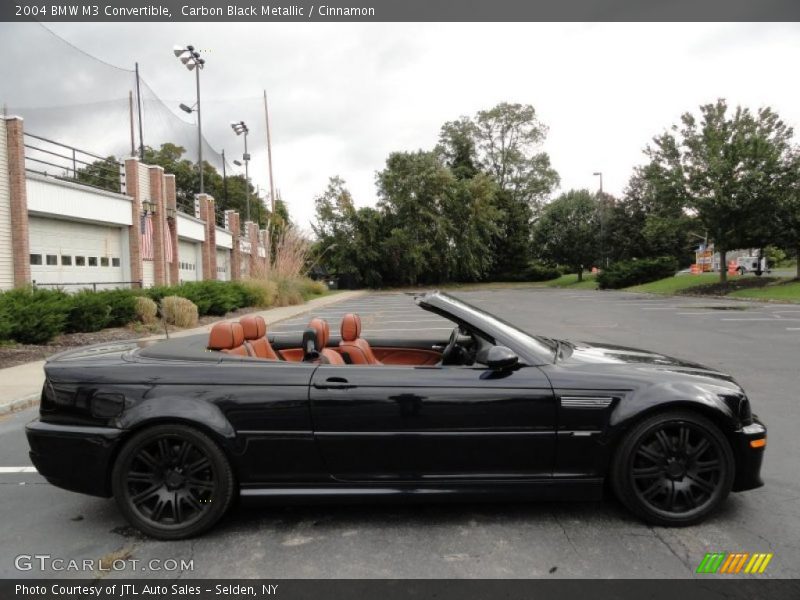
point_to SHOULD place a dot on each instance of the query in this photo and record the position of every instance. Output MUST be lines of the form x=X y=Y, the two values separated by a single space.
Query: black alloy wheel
x=172 y=481
x=673 y=469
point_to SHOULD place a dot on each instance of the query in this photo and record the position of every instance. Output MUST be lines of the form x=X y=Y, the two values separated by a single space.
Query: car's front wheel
x=172 y=481
x=673 y=469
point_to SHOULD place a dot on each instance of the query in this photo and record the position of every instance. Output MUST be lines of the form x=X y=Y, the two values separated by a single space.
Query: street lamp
x=240 y=128
x=192 y=61
x=602 y=220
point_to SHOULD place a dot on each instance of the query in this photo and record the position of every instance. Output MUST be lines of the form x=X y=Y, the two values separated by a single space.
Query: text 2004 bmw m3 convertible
x=176 y=430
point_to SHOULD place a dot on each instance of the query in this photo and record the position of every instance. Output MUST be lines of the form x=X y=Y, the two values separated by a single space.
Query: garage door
x=223 y=265
x=64 y=252
x=189 y=261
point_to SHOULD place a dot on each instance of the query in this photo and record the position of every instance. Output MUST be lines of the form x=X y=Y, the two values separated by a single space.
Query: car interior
x=249 y=338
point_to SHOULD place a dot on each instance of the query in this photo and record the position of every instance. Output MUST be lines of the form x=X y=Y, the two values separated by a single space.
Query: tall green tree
x=568 y=231
x=731 y=168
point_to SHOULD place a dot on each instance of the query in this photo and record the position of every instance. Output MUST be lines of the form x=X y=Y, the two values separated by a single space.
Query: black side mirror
x=500 y=358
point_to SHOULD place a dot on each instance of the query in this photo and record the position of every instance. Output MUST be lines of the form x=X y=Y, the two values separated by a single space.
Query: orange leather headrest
x=322 y=329
x=225 y=336
x=254 y=327
x=351 y=327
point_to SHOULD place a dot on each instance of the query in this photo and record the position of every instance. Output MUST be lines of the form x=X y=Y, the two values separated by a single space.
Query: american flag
x=147 y=239
x=147 y=236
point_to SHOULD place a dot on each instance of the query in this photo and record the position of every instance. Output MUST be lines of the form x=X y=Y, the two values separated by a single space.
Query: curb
x=18 y=404
x=13 y=405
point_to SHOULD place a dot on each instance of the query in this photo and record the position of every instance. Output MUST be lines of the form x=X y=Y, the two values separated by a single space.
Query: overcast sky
x=343 y=96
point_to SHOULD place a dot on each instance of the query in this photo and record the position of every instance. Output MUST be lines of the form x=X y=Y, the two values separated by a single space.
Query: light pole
x=602 y=221
x=192 y=61
x=240 y=128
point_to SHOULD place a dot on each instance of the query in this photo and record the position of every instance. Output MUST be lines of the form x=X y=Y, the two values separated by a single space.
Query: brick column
x=159 y=224
x=18 y=193
x=208 y=215
x=236 y=250
x=252 y=236
x=170 y=202
x=134 y=231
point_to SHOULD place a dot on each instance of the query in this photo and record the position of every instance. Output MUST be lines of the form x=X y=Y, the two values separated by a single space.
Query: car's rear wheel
x=673 y=469
x=172 y=481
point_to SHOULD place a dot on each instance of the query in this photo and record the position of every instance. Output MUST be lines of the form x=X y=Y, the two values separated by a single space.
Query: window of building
x=80 y=261
x=36 y=259
x=92 y=261
x=52 y=259
x=66 y=260
x=103 y=261
x=114 y=262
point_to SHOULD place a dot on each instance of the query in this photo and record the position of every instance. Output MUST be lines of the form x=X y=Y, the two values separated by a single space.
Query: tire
x=673 y=469
x=172 y=482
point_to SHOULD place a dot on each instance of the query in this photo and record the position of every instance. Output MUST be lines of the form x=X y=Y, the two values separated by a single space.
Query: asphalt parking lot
x=758 y=343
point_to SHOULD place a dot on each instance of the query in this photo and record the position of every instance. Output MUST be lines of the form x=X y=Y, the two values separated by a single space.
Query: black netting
x=85 y=103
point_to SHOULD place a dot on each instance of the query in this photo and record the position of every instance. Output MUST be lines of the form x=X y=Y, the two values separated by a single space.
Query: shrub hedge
x=35 y=316
x=634 y=272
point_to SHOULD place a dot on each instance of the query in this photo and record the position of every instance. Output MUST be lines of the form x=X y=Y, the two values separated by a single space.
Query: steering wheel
x=449 y=350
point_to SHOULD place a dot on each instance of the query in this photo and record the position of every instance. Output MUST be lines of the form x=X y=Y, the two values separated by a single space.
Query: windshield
x=506 y=333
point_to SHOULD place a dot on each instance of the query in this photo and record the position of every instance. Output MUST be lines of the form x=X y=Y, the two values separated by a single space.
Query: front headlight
x=740 y=407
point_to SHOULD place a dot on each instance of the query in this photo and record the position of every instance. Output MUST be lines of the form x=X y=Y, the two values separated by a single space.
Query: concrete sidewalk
x=21 y=386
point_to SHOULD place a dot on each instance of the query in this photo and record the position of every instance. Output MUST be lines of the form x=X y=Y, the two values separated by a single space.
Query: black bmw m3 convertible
x=178 y=429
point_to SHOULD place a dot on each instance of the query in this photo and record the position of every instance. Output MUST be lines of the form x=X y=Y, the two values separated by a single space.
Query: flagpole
x=268 y=241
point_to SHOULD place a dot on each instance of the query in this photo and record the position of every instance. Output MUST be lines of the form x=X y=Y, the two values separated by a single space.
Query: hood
x=585 y=353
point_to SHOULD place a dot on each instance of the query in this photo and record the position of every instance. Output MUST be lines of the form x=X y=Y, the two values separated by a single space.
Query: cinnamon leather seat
x=255 y=332
x=228 y=338
x=352 y=346
x=323 y=334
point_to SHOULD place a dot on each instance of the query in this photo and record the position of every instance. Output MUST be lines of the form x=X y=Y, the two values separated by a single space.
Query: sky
x=344 y=95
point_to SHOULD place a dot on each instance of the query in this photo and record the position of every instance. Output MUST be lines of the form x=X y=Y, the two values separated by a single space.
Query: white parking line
x=793 y=329
x=18 y=470
x=659 y=308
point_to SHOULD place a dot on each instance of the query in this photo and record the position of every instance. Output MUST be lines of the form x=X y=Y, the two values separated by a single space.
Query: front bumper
x=748 y=458
x=74 y=457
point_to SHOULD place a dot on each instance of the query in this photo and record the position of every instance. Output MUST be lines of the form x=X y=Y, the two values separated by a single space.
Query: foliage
x=178 y=311
x=538 y=271
x=146 y=310
x=634 y=272
x=461 y=212
x=730 y=169
x=568 y=231
x=103 y=174
x=89 y=311
x=263 y=292
x=34 y=316
x=122 y=306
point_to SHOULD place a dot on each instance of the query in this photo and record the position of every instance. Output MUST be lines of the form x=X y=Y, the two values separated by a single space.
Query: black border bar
x=398 y=10
x=735 y=588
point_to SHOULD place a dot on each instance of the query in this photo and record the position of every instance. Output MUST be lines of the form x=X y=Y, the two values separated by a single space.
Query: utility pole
x=130 y=112
x=269 y=156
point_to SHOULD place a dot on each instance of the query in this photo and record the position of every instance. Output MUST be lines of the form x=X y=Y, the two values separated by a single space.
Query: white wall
x=191 y=228
x=224 y=238
x=50 y=196
x=6 y=256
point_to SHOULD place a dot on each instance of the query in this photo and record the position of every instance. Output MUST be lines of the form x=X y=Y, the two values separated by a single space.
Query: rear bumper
x=748 y=459
x=73 y=457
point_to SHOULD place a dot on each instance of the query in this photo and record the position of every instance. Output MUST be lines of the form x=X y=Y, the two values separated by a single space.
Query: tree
x=568 y=230
x=730 y=169
x=788 y=213
x=509 y=137
x=102 y=174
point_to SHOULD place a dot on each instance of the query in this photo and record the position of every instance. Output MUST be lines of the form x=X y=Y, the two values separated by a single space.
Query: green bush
x=537 y=271
x=89 y=311
x=310 y=288
x=634 y=272
x=122 y=306
x=34 y=316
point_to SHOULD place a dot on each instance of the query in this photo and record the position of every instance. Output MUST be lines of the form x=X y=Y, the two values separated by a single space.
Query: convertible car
x=179 y=429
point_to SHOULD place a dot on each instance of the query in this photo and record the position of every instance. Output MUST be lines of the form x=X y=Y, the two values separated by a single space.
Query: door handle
x=334 y=383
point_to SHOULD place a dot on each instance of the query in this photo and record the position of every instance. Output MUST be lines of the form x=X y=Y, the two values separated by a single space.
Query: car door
x=406 y=423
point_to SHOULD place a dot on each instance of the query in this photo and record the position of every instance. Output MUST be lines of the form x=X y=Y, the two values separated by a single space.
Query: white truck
x=750 y=264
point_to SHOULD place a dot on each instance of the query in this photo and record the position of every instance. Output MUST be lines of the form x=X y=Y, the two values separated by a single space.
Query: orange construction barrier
x=696 y=269
x=733 y=268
